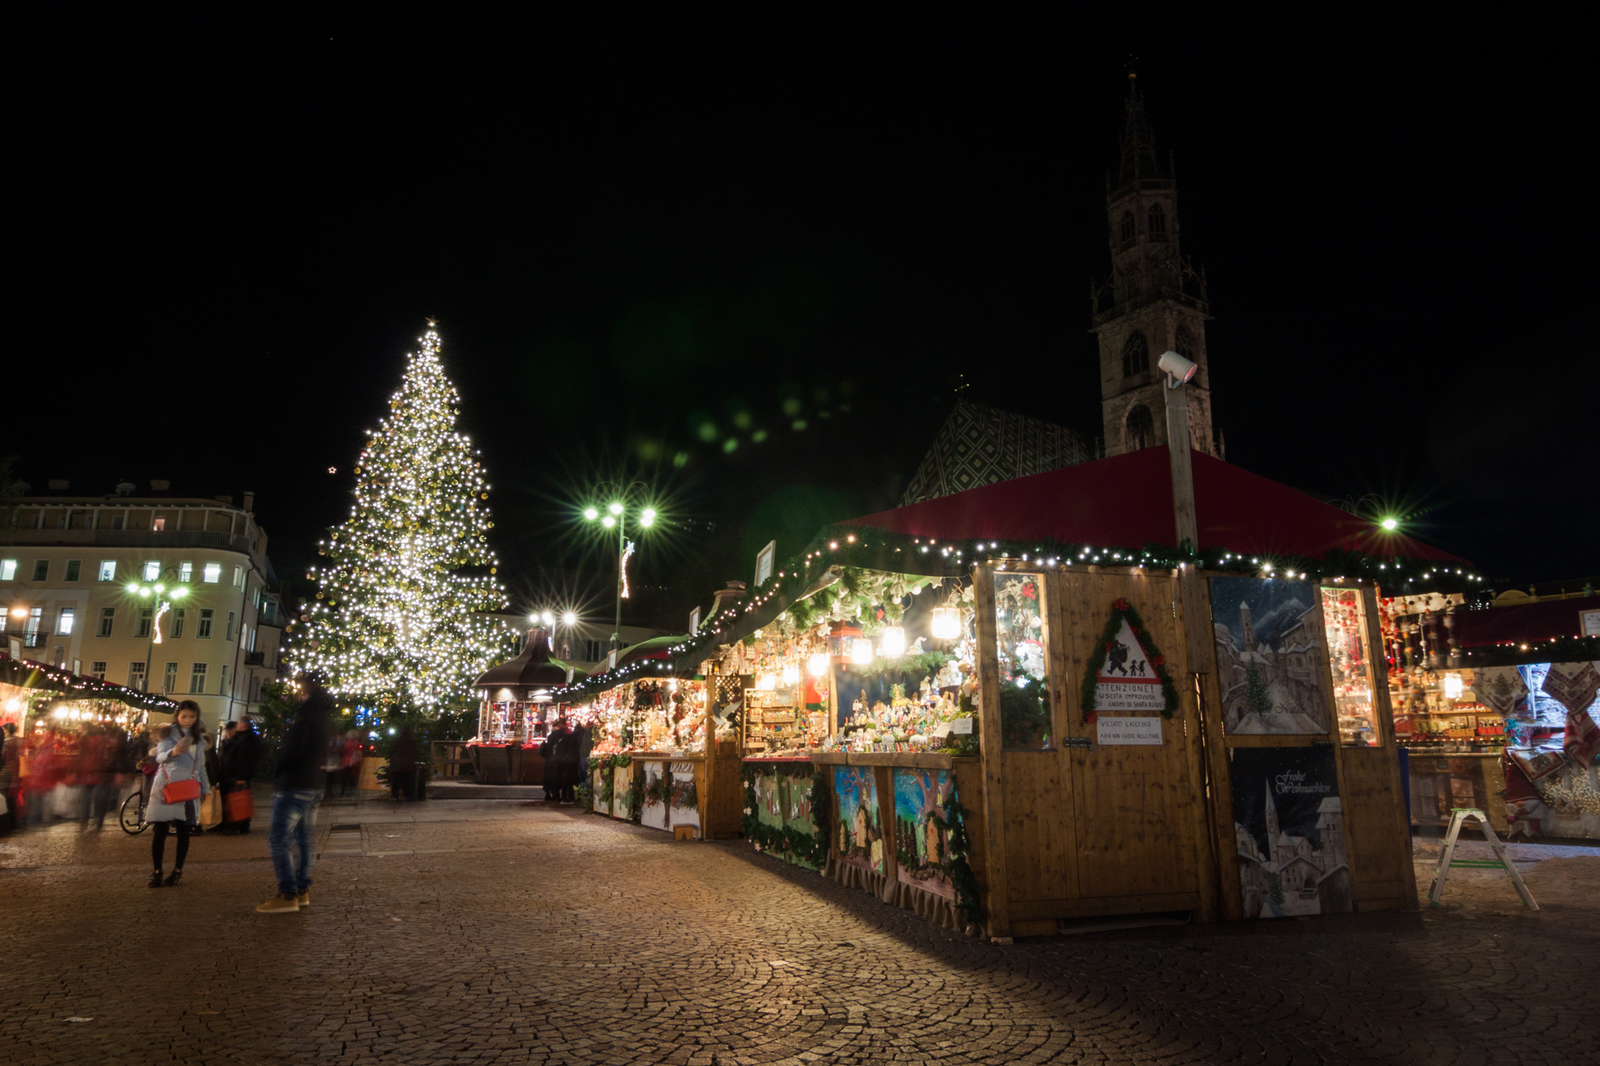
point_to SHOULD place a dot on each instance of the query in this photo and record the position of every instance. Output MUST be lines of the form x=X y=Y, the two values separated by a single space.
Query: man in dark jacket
x=240 y=753
x=297 y=786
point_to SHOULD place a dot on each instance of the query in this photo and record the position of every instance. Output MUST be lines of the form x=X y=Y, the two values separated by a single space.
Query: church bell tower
x=1154 y=301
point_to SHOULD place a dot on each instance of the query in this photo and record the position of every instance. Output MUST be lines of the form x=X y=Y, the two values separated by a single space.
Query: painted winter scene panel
x=797 y=811
x=921 y=843
x=685 y=796
x=859 y=838
x=1288 y=826
x=1272 y=662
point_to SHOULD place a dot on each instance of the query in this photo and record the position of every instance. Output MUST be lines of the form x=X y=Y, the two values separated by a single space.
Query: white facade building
x=66 y=563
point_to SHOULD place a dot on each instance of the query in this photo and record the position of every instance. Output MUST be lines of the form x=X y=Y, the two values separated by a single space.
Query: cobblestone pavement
x=515 y=933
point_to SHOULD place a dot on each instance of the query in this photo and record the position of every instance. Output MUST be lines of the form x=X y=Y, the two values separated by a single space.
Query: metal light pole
x=163 y=602
x=616 y=516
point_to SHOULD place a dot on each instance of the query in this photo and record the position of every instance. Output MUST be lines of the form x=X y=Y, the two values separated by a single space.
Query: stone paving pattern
x=482 y=933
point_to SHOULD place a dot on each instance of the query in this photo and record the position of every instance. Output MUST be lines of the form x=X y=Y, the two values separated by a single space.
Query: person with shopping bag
x=177 y=789
x=240 y=754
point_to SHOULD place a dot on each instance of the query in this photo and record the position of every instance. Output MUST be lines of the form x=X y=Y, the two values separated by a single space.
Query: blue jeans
x=294 y=824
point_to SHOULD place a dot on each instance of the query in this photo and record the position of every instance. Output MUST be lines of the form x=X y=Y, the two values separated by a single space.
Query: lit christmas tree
x=397 y=622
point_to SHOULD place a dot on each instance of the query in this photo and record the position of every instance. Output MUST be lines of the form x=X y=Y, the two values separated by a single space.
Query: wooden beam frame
x=989 y=751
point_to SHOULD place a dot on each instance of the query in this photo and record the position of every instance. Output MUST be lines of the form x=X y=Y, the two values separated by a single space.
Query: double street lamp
x=163 y=596
x=615 y=516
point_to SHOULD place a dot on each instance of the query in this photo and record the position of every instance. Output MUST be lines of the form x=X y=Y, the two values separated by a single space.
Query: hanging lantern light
x=893 y=644
x=861 y=651
x=791 y=674
x=946 y=623
x=767 y=682
x=818 y=664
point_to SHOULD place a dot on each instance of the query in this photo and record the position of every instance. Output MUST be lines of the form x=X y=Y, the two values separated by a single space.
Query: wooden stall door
x=1134 y=803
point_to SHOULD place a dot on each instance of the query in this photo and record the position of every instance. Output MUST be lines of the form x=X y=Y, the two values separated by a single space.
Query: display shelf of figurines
x=1435 y=714
x=773 y=723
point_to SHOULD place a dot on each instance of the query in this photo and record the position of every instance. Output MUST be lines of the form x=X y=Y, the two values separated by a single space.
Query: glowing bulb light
x=861 y=651
x=893 y=642
x=818 y=664
x=946 y=623
x=791 y=674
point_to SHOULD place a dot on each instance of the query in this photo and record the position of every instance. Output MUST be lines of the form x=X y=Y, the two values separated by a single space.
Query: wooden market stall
x=515 y=712
x=1206 y=732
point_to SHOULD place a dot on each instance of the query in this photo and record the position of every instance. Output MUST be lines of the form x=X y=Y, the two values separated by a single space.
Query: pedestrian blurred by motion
x=10 y=767
x=42 y=777
x=180 y=758
x=297 y=786
x=239 y=760
x=403 y=765
x=100 y=756
x=350 y=759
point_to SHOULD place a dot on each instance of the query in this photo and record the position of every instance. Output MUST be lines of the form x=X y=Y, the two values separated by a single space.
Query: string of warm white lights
x=399 y=617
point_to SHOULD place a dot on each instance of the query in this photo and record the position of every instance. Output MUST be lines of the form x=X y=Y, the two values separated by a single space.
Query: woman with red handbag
x=175 y=792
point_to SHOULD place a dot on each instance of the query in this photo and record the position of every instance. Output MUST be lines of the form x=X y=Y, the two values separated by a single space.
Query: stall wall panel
x=1039 y=828
x=654 y=813
x=1131 y=844
x=686 y=779
x=1373 y=813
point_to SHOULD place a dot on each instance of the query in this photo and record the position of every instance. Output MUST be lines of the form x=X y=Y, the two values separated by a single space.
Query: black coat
x=240 y=756
x=299 y=766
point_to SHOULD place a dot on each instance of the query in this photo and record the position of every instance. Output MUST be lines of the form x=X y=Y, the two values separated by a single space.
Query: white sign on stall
x=1141 y=730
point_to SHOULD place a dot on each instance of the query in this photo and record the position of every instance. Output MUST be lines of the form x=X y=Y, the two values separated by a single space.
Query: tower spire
x=1138 y=144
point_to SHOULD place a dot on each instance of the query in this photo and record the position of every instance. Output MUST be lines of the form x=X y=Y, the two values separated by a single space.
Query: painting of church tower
x=1154 y=300
x=1289 y=832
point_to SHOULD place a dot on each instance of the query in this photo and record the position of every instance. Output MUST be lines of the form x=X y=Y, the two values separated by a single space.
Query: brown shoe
x=280 y=904
x=303 y=899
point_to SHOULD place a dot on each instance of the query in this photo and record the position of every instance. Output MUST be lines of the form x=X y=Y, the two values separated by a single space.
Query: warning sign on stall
x=1127 y=681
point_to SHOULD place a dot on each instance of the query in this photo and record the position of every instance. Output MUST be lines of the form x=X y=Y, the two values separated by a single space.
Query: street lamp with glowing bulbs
x=616 y=517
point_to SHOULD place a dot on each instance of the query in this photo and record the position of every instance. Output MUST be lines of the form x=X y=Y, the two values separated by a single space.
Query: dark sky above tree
x=645 y=234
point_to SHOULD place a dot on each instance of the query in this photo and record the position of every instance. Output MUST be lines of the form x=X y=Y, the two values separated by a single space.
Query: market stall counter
x=658 y=790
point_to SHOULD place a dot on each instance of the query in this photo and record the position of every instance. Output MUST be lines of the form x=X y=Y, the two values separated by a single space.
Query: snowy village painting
x=1288 y=826
x=1271 y=657
x=922 y=844
x=860 y=831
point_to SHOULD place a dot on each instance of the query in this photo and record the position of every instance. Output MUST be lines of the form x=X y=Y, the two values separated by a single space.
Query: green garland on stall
x=787 y=840
x=691 y=799
x=1121 y=610
x=822 y=817
x=635 y=801
x=608 y=790
x=585 y=794
x=960 y=847
x=661 y=791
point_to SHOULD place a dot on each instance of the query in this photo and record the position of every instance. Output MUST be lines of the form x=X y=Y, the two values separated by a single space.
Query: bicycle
x=131 y=816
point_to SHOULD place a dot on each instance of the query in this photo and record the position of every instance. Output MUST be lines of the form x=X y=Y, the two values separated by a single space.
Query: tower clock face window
x=1135 y=355
x=1141 y=432
x=1127 y=226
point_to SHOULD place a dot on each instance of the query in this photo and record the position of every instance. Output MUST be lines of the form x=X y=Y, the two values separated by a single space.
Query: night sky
x=646 y=230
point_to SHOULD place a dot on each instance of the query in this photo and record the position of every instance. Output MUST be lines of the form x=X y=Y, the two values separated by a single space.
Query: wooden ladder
x=1458 y=817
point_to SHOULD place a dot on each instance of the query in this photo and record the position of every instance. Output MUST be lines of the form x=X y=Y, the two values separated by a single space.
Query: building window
x=73 y=568
x=255 y=598
x=1184 y=343
x=1141 y=428
x=177 y=622
x=197 y=679
x=152 y=571
x=169 y=680
x=146 y=614
x=65 y=619
x=252 y=642
x=238 y=577
x=203 y=630
x=136 y=676
x=1158 y=219
x=158 y=524
x=1135 y=355
x=222 y=686
x=41 y=569
x=108 y=616
x=98 y=669
x=186 y=572
x=117 y=521
x=255 y=690
x=212 y=573
x=8 y=569
x=31 y=637
x=1127 y=226
x=229 y=630
x=108 y=570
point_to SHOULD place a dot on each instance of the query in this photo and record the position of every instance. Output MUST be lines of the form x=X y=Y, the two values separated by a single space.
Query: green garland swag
x=585 y=794
x=635 y=801
x=960 y=846
x=1120 y=610
x=608 y=790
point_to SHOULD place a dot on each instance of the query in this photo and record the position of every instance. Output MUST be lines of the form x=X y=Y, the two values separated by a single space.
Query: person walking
x=180 y=757
x=297 y=786
x=403 y=765
x=10 y=765
x=239 y=758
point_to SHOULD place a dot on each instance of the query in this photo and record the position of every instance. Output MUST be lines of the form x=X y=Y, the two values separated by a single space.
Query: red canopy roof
x=1126 y=502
